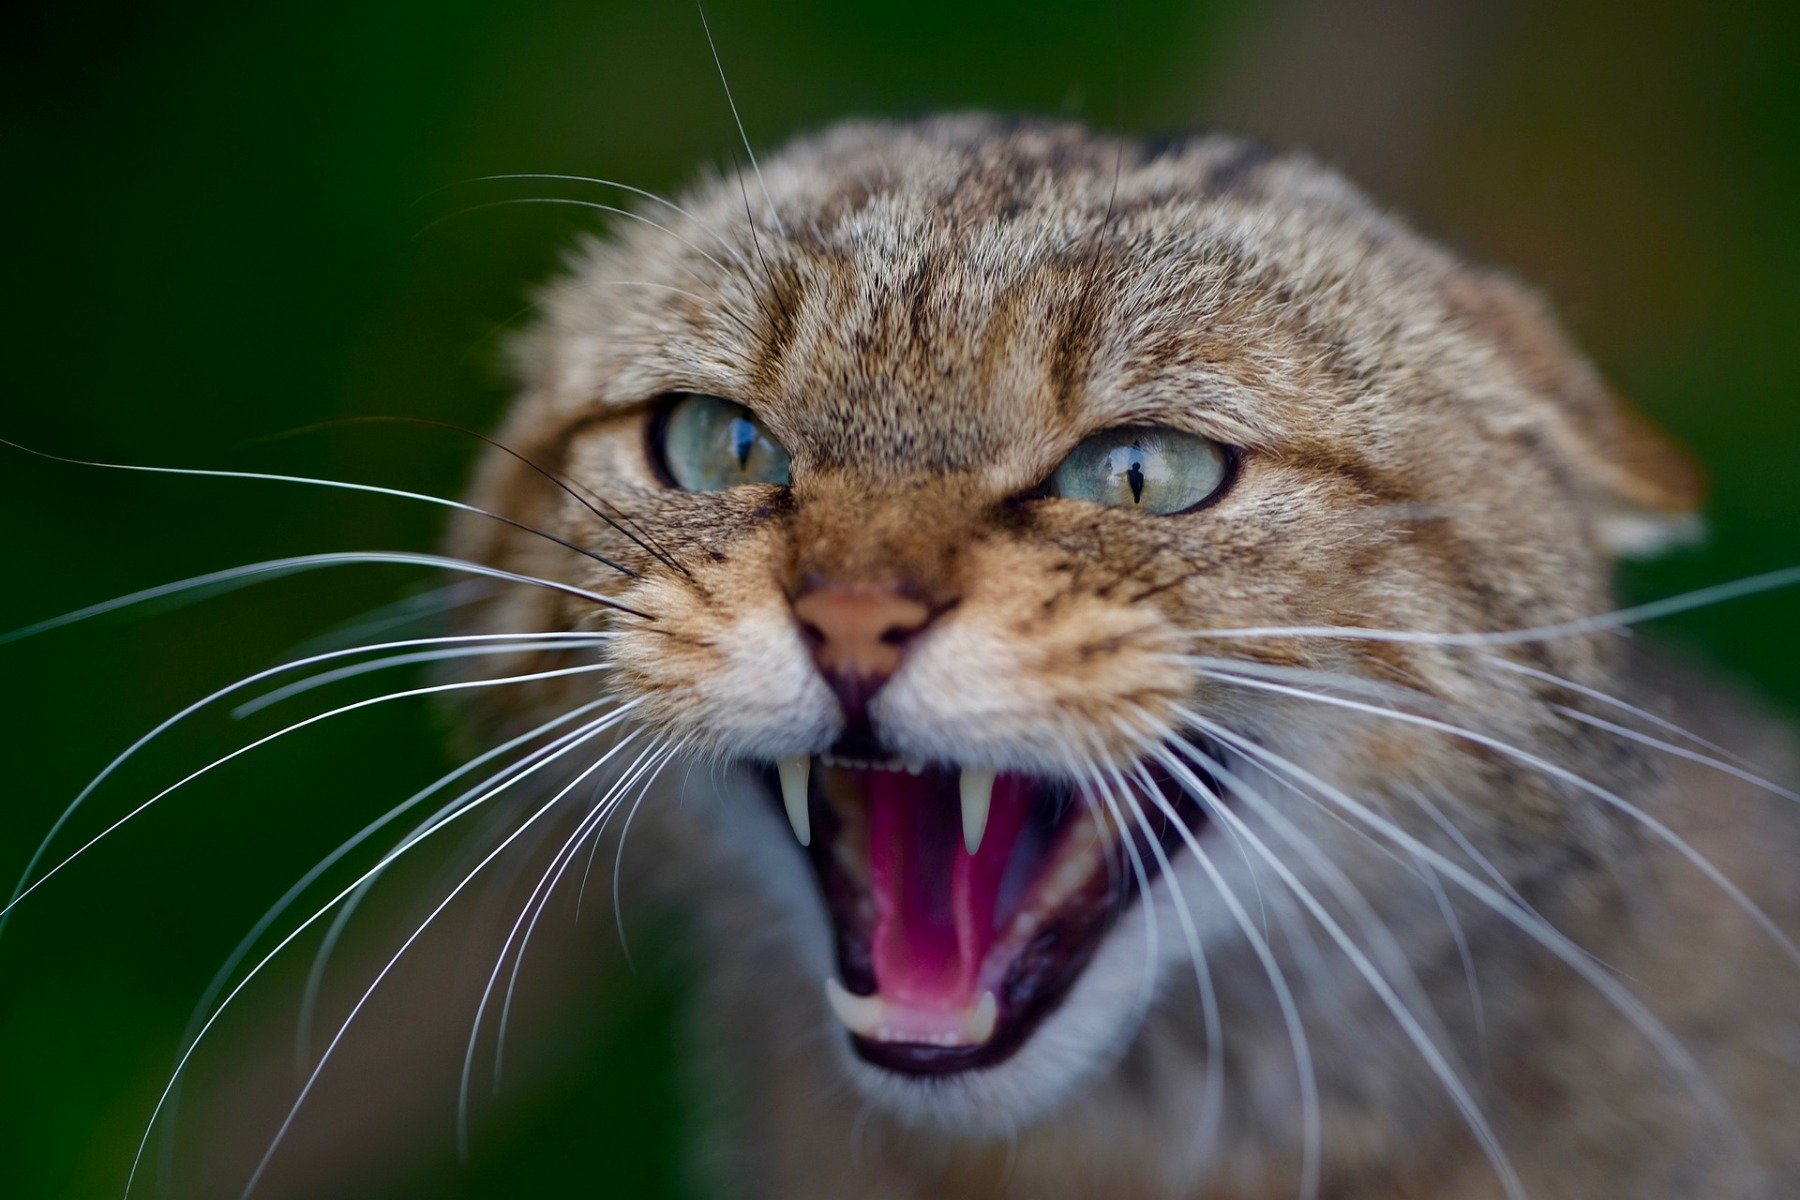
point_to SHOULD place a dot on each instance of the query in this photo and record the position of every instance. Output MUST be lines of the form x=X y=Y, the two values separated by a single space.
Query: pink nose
x=858 y=633
x=859 y=629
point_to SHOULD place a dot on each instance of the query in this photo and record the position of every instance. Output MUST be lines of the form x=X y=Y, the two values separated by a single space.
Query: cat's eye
x=1151 y=469
x=706 y=444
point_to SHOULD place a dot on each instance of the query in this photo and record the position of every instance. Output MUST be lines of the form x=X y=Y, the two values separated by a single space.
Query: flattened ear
x=1643 y=490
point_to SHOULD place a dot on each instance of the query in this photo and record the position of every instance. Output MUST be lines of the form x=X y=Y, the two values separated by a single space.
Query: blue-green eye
x=706 y=444
x=1150 y=469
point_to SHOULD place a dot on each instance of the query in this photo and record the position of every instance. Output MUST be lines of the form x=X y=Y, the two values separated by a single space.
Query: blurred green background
x=216 y=228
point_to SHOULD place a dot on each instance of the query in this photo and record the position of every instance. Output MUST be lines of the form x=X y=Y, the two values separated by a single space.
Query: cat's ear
x=1643 y=490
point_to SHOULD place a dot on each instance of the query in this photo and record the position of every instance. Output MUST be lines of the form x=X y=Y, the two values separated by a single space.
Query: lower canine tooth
x=794 y=773
x=977 y=796
x=860 y=1014
x=983 y=1019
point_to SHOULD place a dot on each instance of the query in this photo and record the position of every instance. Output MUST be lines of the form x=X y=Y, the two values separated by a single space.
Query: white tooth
x=794 y=772
x=977 y=795
x=860 y=1014
x=983 y=1019
x=914 y=767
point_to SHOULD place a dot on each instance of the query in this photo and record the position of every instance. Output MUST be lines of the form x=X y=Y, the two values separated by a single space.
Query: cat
x=1112 y=649
x=1132 y=619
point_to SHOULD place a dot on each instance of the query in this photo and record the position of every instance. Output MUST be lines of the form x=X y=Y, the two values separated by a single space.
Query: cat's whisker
x=340 y=485
x=315 y=976
x=1379 y=937
x=1435 y=1057
x=1455 y=833
x=592 y=730
x=337 y=1038
x=415 y=609
x=1465 y=955
x=1344 y=681
x=247 y=943
x=577 y=491
x=1517 y=914
x=1544 y=766
x=1693 y=756
x=1312 y=1124
x=1616 y=620
x=619 y=853
x=1212 y=1103
x=593 y=205
x=1101 y=792
x=165 y=725
x=434 y=689
x=643 y=193
x=744 y=136
x=659 y=756
x=533 y=644
x=590 y=820
x=1642 y=714
x=233 y=577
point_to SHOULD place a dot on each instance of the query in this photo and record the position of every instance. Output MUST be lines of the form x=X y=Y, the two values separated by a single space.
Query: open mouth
x=966 y=903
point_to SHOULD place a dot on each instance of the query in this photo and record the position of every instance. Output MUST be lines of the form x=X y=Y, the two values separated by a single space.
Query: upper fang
x=977 y=796
x=794 y=773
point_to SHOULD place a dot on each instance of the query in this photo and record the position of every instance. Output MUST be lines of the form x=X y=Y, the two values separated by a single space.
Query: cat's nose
x=858 y=633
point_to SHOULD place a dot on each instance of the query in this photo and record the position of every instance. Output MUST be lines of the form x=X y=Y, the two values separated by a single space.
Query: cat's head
x=949 y=464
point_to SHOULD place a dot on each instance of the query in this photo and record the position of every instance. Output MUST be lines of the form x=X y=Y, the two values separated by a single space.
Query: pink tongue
x=934 y=901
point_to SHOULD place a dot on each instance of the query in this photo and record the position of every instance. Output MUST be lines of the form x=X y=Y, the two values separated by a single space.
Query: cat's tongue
x=936 y=905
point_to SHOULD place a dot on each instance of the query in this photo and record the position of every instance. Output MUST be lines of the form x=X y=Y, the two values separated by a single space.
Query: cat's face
x=882 y=583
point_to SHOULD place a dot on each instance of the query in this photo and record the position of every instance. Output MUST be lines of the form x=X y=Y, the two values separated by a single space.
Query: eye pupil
x=743 y=435
x=1134 y=475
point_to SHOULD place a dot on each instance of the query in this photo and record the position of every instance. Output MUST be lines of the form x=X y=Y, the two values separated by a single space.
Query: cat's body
x=928 y=319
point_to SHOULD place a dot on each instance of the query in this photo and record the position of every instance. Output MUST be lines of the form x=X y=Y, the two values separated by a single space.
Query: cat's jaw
x=965 y=904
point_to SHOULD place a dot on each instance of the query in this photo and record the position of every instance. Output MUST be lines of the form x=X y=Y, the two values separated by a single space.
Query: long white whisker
x=534 y=643
x=276 y=567
x=1604 y=622
x=434 y=689
x=1460 y=938
x=164 y=726
x=595 y=205
x=150 y=1125
x=663 y=753
x=1148 y=983
x=1518 y=915
x=732 y=102
x=315 y=977
x=1693 y=756
x=1212 y=1103
x=337 y=1038
x=624 y=187
x=248 y=942
x=370 y=489
x=1454 y=832
x=618 y=860
x=1642 y=714
x=1662 y=832
x=589 y=821
x=1439 y=1064
x=1310 y=1118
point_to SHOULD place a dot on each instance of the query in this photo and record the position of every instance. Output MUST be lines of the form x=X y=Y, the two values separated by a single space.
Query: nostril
x=858 y=631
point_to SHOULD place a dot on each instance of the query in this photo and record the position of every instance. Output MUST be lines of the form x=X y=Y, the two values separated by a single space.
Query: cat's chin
x=980 y=921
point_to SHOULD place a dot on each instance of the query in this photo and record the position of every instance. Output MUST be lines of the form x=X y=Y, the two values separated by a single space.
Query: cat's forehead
x=961 y=292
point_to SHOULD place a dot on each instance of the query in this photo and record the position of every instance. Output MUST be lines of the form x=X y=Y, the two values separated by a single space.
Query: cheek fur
x=723 y=663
